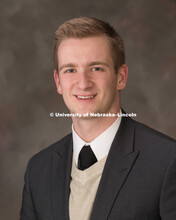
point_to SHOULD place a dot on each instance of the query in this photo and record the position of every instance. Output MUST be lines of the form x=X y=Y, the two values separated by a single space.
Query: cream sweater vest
x=83 y=188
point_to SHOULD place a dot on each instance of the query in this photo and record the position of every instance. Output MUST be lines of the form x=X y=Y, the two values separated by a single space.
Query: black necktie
x=86 y=158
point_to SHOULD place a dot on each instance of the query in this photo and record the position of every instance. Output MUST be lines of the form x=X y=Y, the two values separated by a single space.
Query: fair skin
x=88 y=83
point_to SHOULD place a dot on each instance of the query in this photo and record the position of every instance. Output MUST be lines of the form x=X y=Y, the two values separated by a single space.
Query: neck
x=90 y=128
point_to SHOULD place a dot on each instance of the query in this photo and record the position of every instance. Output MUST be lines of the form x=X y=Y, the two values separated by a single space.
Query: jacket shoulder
x=152 y=132
x=153 y=139
x=45 y=155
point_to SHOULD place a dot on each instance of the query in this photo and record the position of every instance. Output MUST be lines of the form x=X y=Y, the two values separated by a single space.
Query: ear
x=57 y=81
x=122 y=77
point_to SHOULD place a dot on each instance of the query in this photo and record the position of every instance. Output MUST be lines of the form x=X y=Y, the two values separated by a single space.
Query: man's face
x=86 y=76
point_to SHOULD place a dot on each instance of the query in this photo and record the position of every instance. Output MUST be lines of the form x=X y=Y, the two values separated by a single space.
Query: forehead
x=84 y=49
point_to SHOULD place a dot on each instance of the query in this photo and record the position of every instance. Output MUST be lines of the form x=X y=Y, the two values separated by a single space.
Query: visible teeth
x=85 y=97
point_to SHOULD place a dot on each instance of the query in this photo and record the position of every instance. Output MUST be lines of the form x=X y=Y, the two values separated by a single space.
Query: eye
x=70 y=71
x=97 y=68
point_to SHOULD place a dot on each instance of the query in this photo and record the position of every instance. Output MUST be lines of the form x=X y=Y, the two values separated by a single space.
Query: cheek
x=65 y=83
x=66 y=87
x=109 y=84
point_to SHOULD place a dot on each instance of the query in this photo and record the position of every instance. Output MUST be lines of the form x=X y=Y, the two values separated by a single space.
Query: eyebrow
x=98 y=63
x=90 y=64
x=67 y=65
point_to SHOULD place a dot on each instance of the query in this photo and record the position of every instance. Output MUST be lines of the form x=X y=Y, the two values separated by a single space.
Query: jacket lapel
x=61 y=168
x=118 y=165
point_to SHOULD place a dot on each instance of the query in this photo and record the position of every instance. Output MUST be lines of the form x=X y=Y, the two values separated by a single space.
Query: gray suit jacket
x=138 y=181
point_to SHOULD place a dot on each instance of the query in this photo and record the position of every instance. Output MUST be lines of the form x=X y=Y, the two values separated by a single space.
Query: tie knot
x=86 y=158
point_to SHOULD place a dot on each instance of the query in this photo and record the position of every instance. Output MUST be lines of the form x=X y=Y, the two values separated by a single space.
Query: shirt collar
x=100 y=145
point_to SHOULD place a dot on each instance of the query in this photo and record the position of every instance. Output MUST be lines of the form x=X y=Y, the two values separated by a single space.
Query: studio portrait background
x=27 y=89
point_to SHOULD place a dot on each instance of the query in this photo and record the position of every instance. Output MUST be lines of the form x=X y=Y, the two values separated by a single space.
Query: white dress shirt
x=100 y=145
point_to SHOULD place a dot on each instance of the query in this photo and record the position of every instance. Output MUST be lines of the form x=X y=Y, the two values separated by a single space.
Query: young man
x=109 y=167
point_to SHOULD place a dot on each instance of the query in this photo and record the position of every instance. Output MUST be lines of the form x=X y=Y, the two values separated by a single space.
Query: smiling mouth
x=85 y=97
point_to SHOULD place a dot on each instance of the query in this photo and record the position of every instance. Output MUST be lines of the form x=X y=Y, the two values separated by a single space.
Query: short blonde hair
x=87 y=27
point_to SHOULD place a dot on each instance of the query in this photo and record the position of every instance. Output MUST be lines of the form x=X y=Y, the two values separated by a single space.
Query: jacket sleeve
x=168 y=193
x=27 y=210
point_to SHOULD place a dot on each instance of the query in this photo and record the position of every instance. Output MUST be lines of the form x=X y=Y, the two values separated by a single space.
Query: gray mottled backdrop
x=27 y=89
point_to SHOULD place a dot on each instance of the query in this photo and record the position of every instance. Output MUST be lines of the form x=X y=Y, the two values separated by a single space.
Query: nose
x=84 y=81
